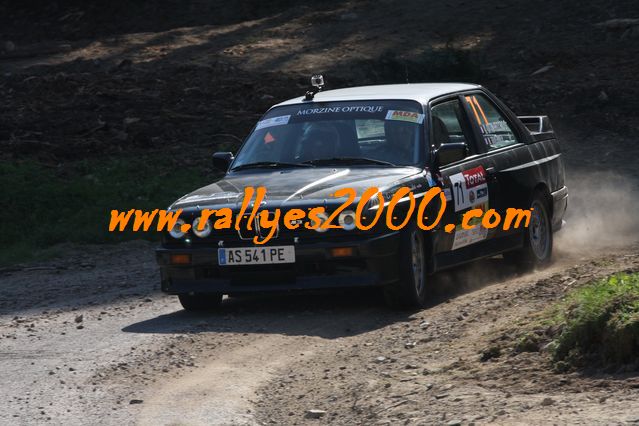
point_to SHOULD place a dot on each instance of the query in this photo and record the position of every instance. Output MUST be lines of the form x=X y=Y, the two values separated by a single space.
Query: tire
x=411 y=290
x=538 y=238
x=200 y=302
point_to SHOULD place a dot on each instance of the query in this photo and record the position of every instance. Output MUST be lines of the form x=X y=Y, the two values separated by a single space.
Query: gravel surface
x=89 y=339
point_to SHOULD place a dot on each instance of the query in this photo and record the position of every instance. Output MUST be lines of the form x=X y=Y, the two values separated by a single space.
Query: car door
x=465 y=182
x=504 y=149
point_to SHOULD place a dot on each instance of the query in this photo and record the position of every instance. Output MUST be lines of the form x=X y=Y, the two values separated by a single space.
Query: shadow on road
x=328 y=315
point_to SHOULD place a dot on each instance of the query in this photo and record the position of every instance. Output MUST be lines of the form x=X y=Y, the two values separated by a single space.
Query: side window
x=495 y=129
x=447 y=123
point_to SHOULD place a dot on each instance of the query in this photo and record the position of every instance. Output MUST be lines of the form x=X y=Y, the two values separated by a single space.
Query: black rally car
x=456 y=136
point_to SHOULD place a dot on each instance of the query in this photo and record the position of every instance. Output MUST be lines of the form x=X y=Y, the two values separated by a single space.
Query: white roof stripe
x=420 y=92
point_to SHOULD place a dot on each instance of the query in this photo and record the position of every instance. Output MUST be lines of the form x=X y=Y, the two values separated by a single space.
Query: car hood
x=312 y=186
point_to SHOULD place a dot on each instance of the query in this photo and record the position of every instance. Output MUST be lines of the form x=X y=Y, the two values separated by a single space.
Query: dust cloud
x=603 y=212
x=603 y=215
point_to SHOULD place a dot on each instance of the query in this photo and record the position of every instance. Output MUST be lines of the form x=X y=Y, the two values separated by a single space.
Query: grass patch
x=72 y=203
x=598 y=323
x=595 y=326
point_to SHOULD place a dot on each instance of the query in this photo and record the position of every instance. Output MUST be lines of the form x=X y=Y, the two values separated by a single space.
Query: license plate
x=256 y=255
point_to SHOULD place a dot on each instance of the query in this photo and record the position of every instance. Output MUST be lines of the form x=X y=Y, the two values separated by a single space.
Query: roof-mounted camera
x=317 y=83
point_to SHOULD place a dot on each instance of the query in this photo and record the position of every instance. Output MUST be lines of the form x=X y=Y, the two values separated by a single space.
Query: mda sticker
x=411 y=117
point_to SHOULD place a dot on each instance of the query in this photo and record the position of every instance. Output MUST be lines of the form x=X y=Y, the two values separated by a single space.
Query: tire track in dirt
x=223 y=389
x=220 y=392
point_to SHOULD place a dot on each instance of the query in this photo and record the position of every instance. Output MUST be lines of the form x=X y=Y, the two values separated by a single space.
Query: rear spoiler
x=539 y=127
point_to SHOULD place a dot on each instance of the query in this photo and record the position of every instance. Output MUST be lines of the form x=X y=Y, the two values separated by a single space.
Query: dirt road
x=88 y=339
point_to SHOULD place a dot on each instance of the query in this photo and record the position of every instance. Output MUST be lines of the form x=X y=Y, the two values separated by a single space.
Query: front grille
x=256 y=230
x=283 y=235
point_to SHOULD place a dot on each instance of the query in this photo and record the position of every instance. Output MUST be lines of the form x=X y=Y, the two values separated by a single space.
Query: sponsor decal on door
x=469 y=188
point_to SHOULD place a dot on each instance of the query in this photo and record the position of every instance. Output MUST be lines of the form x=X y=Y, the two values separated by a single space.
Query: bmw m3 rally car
x=458 y=137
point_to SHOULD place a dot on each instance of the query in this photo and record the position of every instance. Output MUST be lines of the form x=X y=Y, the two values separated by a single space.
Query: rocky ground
x=447 y=364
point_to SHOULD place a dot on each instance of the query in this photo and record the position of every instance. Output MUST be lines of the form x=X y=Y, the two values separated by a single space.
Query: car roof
x=420 y=92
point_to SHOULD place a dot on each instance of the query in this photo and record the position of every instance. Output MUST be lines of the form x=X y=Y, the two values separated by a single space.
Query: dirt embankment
x=85 y=80
x=86 y=338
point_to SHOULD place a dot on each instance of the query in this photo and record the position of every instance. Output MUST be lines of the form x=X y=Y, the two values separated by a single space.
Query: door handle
x=491 y=174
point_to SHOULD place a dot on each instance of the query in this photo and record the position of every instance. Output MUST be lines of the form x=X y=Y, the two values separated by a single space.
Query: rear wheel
x=538 y=240
x=200 y=302
x=410 y=291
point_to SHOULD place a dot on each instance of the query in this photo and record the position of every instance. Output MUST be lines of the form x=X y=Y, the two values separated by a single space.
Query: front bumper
x=375 y=262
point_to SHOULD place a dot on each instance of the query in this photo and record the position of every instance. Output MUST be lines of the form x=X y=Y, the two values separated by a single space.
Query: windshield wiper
x=269 y=165
x=348 y=160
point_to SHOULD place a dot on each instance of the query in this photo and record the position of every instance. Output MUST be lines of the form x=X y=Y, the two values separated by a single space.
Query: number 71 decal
x=469 y=188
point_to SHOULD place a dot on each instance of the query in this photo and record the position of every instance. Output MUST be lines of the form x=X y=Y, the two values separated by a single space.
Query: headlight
x=347 y=220
x=205 y=232
x=323 y=217
x=176 y=232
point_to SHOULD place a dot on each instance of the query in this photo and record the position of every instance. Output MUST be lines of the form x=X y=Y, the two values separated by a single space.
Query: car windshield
x=381 y=133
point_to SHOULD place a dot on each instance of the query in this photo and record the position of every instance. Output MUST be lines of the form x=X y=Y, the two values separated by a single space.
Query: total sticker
x=274 y=121
x=469 y=188
x=411 y=117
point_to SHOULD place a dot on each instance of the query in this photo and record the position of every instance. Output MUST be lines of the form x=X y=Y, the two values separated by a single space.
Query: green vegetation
x=72 y=203
x=529 y=342
x=594 y=326
x=599 y=322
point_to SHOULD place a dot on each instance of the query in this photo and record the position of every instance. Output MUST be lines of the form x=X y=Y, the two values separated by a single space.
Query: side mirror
x=222 y=161
x=450 y=152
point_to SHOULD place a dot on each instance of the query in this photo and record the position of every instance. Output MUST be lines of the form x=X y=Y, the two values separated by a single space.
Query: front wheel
x=410 y=291
x=200 y=302
x=538 y=240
